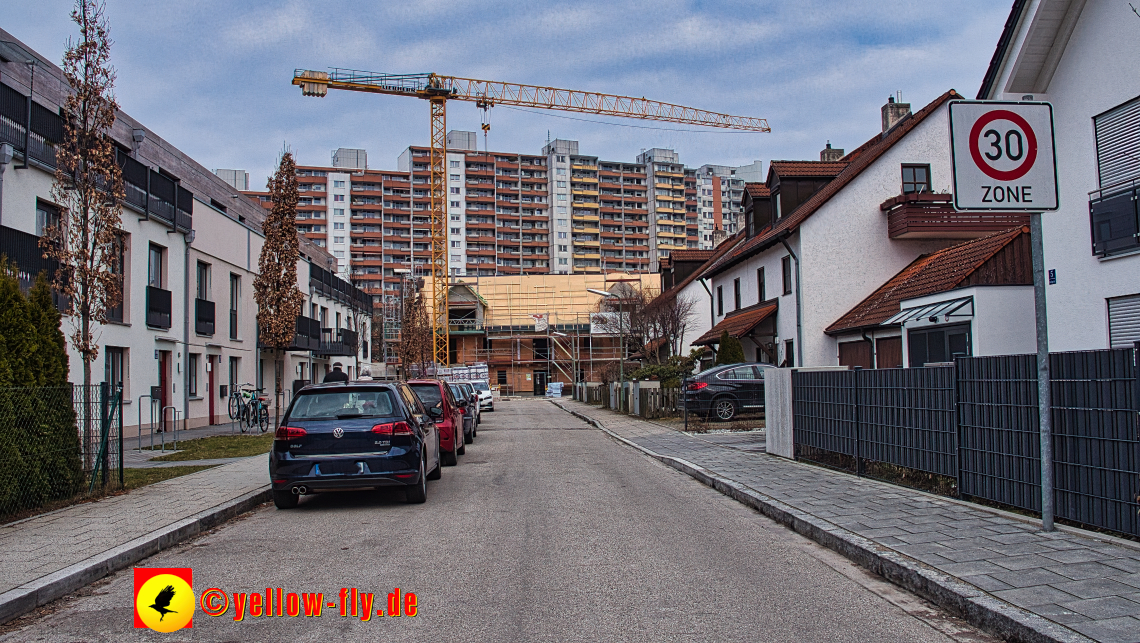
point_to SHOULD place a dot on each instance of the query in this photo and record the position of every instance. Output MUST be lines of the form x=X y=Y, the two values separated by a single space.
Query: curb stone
x=977 y=607
x=43 y=590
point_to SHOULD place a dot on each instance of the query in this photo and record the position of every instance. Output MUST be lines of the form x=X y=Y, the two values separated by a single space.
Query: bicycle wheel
x=245 y=420
x=234 y=407
x=262 y=417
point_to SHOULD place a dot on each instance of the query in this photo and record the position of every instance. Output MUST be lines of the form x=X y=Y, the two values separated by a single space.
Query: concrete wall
x=778 y=412
x=1095 y=74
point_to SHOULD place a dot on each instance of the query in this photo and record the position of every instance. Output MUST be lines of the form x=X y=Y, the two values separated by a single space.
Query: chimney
x=893 y=113
x=830 y=154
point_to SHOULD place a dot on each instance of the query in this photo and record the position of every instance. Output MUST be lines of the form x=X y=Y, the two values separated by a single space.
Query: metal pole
x=1044 y=403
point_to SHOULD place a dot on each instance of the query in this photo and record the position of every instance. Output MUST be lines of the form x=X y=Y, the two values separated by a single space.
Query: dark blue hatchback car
x=354 y=435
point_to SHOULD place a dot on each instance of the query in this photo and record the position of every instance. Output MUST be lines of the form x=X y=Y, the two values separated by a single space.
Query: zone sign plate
x=1003 y=156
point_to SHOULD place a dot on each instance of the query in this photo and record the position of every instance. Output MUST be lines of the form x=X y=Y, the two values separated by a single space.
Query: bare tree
x=416 y=341
x=666 y=318
x=89 y=187
x=279 y=300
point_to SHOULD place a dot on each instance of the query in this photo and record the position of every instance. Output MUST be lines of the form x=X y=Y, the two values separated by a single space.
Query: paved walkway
x=38 y=547
x=1071 y=577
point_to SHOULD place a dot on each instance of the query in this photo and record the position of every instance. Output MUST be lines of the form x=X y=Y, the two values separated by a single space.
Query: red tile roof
x=691 y=255
x=929 y=274
x=725 y=246
x=757 y=190
x=807 y=168
x=861 y=159
x=739 y=322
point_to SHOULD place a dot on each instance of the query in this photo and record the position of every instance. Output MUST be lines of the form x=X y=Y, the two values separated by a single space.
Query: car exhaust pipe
x=300 y=490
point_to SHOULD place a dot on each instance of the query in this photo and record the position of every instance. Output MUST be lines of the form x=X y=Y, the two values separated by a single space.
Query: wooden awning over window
x=739 y=323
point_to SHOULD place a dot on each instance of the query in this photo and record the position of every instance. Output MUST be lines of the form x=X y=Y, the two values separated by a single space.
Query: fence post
x=104 y=414
x=119 y=396
x=858 y=424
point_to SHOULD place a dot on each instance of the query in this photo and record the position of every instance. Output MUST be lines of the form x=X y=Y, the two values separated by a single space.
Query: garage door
x=1124 y=321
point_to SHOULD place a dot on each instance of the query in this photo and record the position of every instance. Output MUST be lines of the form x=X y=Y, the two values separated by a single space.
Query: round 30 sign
x=1003 y=156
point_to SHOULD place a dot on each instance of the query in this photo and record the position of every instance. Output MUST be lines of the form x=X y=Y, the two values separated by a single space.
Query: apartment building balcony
x=578 y=166
x=306 y=334
x=203 y=317
x=337 y=342
x=1114 y=220
x=932 y=216
x=157 y=307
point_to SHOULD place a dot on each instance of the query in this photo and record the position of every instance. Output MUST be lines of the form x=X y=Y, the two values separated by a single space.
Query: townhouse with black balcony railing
x=1115 y=219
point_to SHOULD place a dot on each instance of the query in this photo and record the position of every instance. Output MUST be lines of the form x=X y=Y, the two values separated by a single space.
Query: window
x=339 y=254
x=915 y=178
x=786 y=265
x=114 y=363
x=789 y=354
x=456 y=244
x=719 y=300
x=456 y=231
x=46 y=215
x=338 y=239
x=561 y=197
x=338 y=184
x=561 y=159
x=1123 y=321
x=338 y=226
x=235 y=297
x=561 y=235
x=562 y=248
x=561 y=171
x=457 y=258
x=560 y=184
x=203 y=290
x=562 y=261
x=455 y=190
x=192 y=374
x=118 y=268
x=760 y=284
x=562 y=222
x=455 y=164
x=736 y=293
x=454 y=177
x=154 y=266
x=501 y=378
x=456 y=204
x=338 y=212
x=233 y=374
x=937 y=344
x=338 y=197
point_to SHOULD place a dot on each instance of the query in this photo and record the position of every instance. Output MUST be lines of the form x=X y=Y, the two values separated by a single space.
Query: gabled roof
x=757 y=190
x=725 y=246
x=863 y=157
x=739 y=323
x=928 y=275
x=806 y=169
x=1002 y=49
x=691 y=255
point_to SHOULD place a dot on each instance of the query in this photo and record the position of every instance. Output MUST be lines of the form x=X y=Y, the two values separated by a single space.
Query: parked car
x=466 y=409
x=444 y=409
x=486 y=399
x=357 y=435
x=473 y=395
x=723 y=392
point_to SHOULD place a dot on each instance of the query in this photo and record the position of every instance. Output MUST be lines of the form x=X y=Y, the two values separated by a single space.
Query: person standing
x=336 y=375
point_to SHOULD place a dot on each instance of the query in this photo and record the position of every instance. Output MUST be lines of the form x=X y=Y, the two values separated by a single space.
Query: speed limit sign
x=1002 y=155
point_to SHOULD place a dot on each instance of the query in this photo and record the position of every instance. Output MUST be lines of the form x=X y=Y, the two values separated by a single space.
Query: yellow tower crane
x=439 y=89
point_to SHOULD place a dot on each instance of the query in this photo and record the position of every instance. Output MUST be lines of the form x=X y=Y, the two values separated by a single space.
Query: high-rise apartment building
x=558 y=212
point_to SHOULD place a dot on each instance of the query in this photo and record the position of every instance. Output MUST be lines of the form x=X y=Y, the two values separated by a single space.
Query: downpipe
x=799 y=305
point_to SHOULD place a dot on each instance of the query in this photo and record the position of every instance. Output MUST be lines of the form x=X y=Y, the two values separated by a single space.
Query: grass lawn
x=220 y=446
x=135 y=478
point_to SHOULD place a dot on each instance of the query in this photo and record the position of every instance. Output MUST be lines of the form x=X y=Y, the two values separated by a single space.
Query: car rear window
x=331 y=405
x=429 y=394
x=480 y=386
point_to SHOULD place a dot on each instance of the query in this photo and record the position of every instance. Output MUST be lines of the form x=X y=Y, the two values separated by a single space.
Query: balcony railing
x=157 y=307
x=465 y=325
x=932 y=216
x=1114 y=219
x=337 y=342
x=203 y=317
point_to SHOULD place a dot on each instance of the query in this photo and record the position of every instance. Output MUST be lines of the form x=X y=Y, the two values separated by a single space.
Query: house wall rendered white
x=1094 y=75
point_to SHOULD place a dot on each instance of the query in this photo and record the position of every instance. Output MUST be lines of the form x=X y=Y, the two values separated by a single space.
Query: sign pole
x=1044 y=403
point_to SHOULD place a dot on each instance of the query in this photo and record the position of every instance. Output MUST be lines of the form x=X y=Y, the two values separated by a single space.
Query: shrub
x=731 y=351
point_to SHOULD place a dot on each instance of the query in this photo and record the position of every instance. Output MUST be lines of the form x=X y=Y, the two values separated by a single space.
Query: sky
x=214 y=78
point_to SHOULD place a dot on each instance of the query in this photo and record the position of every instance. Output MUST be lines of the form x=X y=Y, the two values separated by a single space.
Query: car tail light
x=462 y=410
x=289 y=432
x=392 y=428
x=696 y=386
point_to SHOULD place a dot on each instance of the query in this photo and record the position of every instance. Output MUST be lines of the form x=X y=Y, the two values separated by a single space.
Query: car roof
x=352 y=384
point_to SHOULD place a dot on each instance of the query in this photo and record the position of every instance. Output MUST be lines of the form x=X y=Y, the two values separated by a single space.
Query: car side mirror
x=435 y=412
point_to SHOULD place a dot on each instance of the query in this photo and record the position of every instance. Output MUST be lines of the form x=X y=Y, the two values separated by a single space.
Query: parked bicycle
x=249 y=407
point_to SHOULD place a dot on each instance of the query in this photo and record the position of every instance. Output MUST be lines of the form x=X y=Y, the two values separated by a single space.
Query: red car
x=440 y=403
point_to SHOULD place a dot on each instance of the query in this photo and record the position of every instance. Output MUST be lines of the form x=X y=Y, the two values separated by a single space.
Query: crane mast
x=438 y=89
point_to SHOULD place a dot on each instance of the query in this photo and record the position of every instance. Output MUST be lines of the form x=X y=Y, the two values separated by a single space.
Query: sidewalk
x=996 y=569
x=47 y=556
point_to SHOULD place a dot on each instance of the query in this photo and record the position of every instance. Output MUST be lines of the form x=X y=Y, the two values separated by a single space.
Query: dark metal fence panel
x=999 y=437
x=1096 y=449
x=824 y=411
x=907 y=417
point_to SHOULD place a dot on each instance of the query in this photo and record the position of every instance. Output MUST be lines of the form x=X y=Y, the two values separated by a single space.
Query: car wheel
x=450 y=458
x=468 y=438
x=724 y=409
x=437 y=472
x=285 y=499
x=417 y=493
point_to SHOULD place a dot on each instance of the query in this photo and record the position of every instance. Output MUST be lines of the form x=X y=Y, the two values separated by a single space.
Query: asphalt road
x=547 y=530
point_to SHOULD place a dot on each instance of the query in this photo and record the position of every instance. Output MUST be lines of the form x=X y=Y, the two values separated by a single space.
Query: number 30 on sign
x=1003 y=156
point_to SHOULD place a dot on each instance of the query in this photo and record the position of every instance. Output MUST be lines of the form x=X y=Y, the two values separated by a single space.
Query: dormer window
x=915 y=179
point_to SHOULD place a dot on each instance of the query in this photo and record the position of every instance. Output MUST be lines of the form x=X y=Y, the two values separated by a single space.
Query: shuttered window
x=1124 y=321
x=1118 y=143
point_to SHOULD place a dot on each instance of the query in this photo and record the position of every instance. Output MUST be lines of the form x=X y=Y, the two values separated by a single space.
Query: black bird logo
x=163 y=600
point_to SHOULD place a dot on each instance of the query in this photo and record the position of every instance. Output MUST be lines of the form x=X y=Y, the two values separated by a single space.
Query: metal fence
x=58 y=443
x=977 y=423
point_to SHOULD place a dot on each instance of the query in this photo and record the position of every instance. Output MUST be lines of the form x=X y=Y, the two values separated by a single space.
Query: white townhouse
x=186 y=328
x=1079 y=55
x=822 y=236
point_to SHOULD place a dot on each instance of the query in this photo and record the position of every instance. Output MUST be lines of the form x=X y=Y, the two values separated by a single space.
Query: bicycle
x=249 y=407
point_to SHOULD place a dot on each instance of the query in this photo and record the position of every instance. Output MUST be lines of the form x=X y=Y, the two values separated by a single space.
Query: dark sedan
x=354 y=435
x=725 y=391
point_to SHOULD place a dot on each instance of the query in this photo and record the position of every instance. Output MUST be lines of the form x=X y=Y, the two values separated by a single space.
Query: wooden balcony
x=932 y=216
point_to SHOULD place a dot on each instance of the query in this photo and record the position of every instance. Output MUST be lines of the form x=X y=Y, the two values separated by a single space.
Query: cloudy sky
x=214 y=77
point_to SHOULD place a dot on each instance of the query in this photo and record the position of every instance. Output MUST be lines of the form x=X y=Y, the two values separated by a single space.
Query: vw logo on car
x=338 y=432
